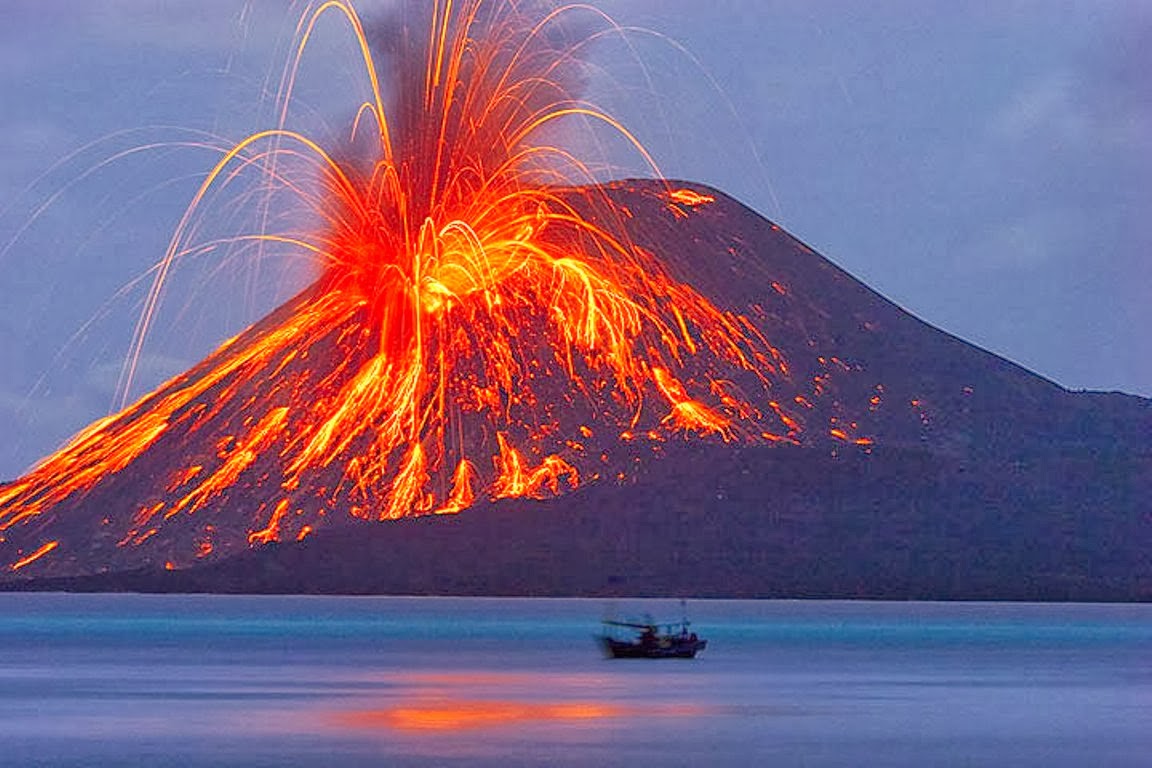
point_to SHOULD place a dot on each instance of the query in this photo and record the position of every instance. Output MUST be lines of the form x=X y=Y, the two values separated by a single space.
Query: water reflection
x=471 y=699
x=462 y=715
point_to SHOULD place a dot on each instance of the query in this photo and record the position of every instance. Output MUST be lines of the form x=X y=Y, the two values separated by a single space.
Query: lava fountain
x=481 y=323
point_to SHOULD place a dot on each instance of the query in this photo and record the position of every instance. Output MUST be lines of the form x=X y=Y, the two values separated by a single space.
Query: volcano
x=885 y=458
x=491 y=327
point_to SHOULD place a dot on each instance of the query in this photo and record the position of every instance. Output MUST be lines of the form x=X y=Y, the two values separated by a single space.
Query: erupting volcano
x=611 y=375
x=485 y=321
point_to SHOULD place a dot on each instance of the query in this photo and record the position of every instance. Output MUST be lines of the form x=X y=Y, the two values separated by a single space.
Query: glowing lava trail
x=481 y=323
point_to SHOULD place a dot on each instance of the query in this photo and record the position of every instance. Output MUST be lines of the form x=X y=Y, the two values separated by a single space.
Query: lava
x=479 y=310
x=39 y=553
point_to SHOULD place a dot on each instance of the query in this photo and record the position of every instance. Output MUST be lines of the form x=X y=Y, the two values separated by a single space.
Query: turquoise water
x=102 y=680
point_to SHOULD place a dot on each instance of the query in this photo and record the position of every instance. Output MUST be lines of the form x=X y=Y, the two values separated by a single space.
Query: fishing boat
x=649 y=640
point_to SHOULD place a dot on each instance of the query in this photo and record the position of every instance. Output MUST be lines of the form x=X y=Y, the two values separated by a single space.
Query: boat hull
x=667 y=648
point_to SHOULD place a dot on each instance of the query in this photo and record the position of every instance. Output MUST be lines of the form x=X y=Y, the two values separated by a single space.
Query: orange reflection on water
x=462 y=715
x=467 y=715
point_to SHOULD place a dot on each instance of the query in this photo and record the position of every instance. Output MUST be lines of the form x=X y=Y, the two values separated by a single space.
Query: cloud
x=1074 y=111
x=1029 y=242
x=1048 y=106
x=172 y=26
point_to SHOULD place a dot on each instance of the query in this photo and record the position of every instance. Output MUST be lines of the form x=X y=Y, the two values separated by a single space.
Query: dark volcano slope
x=761 y=522
x=984 y=481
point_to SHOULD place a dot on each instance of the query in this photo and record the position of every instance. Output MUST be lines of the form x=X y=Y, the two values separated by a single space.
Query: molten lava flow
x=478 y=305
x=39 y=553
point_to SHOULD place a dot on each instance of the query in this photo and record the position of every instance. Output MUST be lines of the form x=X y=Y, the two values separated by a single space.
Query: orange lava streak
x=462 y=494
x=789 y=422
x=690 y=197
x=146 y=513
x=271 y=532
x=516 y=478
x=842 y=435
x=239 y=458
x=689 y=414
x=39 y=553
x=407 y=495
x=693 y=416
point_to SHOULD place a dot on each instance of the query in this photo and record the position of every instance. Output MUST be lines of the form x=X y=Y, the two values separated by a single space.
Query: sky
x=985 y=165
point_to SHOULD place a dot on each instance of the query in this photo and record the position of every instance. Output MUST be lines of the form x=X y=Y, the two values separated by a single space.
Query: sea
x=186 y=680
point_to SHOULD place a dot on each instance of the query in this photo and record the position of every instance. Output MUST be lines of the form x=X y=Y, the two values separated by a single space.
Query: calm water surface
x=102 y=680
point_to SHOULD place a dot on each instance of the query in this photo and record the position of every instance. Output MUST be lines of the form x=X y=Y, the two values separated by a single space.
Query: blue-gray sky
x=988 y=166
